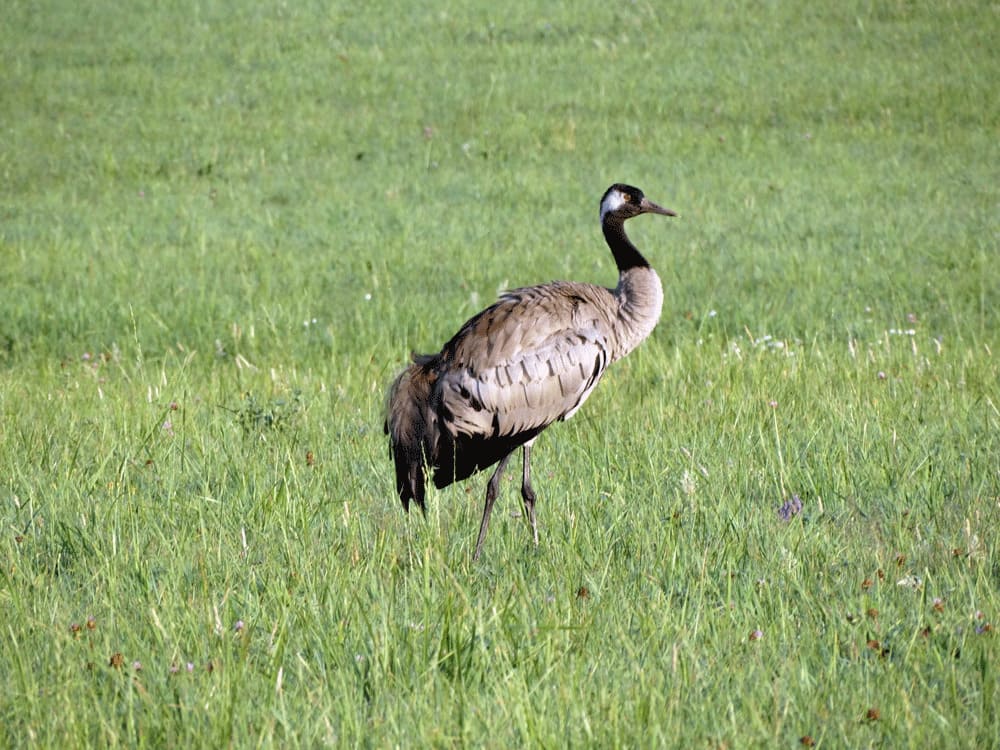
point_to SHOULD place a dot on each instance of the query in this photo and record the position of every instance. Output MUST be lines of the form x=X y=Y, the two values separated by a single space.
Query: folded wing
x=529 y=360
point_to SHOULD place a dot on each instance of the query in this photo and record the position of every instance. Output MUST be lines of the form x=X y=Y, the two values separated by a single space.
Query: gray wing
x=531 y=359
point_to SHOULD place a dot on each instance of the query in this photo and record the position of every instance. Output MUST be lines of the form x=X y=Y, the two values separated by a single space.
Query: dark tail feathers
x=412 y=427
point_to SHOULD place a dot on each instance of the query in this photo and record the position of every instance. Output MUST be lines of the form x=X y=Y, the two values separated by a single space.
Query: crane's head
x=624 y=201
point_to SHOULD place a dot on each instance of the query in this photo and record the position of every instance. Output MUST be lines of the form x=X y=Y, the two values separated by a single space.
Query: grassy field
x=222 y=230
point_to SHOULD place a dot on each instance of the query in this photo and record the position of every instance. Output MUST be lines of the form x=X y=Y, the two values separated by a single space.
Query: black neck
x=626 y=254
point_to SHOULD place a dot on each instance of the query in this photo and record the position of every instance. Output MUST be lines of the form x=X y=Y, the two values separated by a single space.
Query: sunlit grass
x=223 y=230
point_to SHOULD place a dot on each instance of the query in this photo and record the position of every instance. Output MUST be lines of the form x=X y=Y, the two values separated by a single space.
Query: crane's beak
x=648 y=207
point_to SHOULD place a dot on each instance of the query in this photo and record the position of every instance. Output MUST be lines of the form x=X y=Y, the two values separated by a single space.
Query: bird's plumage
x=528 y=360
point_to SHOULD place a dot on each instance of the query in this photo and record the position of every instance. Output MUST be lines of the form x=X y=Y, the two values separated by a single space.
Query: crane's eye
x=627 y=197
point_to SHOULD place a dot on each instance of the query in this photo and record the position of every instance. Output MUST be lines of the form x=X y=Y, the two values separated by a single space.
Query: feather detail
x=412 y=428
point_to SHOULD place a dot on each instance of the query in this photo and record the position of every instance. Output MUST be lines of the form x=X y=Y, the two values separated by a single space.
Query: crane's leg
x=492 y=489
x=527 y=492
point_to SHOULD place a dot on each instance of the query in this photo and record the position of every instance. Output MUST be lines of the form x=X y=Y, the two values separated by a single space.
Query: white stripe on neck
x=613 y=201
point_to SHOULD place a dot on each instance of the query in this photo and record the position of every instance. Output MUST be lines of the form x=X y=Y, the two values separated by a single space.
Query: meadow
x=225 y=226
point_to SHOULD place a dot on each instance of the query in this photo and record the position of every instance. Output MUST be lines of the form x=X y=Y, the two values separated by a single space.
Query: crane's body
x=528 y=360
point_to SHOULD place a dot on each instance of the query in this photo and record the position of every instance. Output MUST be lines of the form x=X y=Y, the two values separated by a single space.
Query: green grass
x=222 y=231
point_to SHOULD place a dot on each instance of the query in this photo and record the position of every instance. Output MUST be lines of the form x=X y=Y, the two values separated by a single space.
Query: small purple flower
x=238 y=627
x=790 y=508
